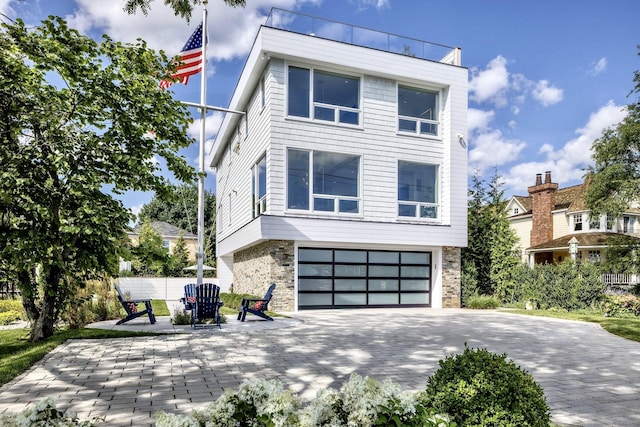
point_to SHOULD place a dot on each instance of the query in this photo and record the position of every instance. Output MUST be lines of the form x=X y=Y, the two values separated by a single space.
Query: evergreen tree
x=179 y=257
x=488 y=259
x=502 y=241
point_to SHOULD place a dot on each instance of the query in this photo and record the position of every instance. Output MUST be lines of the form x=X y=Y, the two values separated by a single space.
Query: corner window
x=259 y=187
x=319 y=181
x=323 y=96
x=417 y=111
x=611 y=221
x=577 y=222
x=594 y=223
x=417 y=190
x=627 y=224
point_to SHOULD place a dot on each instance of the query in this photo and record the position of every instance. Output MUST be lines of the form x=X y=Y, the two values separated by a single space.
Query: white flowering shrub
x=45 y=413
x=361 y=402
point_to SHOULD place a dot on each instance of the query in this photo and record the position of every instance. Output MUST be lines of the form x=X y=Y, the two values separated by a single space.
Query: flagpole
x=203 y=112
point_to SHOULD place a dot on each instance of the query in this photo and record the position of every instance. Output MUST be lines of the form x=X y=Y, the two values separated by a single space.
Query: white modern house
x=346 y=181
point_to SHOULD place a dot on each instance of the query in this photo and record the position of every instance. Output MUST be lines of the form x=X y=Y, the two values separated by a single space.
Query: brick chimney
x=542 y=202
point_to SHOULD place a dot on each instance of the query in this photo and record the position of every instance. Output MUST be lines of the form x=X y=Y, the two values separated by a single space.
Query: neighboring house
x=549 y=218
x=169 y=234
x=346 y=182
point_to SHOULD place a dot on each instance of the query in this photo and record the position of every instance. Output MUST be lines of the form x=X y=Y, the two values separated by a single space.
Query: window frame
x=419 y=206
x=418 y=121
x=312 y=196
x=577 y=219
x=259 y=204
x=312 y=104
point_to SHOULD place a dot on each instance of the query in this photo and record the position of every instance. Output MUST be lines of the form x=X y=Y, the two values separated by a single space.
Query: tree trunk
x=44 y=325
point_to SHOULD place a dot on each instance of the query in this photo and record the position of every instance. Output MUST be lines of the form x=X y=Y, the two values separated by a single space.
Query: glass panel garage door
x=334 y=278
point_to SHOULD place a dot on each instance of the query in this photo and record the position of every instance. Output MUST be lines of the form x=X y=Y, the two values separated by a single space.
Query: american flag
x=189 y=58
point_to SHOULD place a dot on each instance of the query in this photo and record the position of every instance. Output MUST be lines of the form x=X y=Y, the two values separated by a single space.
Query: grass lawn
x=623 y=327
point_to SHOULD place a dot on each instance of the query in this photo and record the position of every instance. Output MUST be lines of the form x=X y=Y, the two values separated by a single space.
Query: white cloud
x=569 y=162
x=599 y=67
x=5 y=9
x=491 y=83
x=366 y=4
x=547 y=94
x=478 y=119
x=231 y=30
x=492 y=149
x=211 y=124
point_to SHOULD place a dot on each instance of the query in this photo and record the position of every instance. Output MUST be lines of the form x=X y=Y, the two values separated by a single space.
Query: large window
x=417 y=111
x=319 y=181
x=417 y=190
x=259 y=187
x=323 y=96
x=577 y=222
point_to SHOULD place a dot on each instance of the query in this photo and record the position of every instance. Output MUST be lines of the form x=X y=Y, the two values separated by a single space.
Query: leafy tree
x=150 y=257
x=615 y=176
x=183 y=8
x=180 y=208
x=488 y=258
x=621 y=254
x=75 y=115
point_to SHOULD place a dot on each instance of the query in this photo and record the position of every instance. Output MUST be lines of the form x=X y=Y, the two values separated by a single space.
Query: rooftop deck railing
x=359 y=36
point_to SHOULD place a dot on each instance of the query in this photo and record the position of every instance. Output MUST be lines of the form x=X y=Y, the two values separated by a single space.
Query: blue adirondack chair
x=131 y=308
x=257 y=306
x=207 y=305
x=189 y=298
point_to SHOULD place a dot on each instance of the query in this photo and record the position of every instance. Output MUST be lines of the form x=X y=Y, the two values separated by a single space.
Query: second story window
x=594 y=223
x=611 y=221
x=323 y=96
x=627 y=224
x=417 y=190
x=577 y=222
x=417 y=111
x=259 y=187
x=320 y=181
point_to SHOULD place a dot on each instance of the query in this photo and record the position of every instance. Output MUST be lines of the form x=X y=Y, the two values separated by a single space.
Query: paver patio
x=589 y=376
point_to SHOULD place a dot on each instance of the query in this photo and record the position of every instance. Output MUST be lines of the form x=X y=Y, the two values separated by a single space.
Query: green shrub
x=45 y=413
x=627 y=305
x=10 y=305
x=8 y=317
x=483 y=302
x=479 y=388
x=11 y=310
x=568 y=286
x=181 y=317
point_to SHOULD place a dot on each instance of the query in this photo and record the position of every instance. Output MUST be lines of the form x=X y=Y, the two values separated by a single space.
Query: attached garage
x=348 y=278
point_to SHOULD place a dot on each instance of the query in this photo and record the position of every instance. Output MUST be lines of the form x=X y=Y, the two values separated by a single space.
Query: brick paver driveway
x=590 y=377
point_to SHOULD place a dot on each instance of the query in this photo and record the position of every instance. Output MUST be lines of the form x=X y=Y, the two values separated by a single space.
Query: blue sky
x=545 y=77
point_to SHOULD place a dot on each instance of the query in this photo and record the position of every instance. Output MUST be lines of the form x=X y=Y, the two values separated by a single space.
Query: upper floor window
x=323 y=96
x=611 y=221
x=319 y=181
x=627 y=224
x=417 y=190
x=417 y=111
x=259 y=187
x=594 y=222
x=516 y=211
x=577 y=222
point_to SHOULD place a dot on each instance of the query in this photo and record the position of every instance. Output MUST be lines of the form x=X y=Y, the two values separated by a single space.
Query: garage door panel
x=359 y=278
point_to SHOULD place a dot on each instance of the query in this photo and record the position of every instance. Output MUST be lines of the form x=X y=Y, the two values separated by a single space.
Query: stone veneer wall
x=451 y=272
x=257 y=267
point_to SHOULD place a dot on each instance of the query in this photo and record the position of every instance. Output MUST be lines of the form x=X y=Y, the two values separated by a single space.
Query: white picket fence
x=159 y=288
x=619 y=280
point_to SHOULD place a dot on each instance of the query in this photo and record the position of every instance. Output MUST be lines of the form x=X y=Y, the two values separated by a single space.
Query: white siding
x=376 y=141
